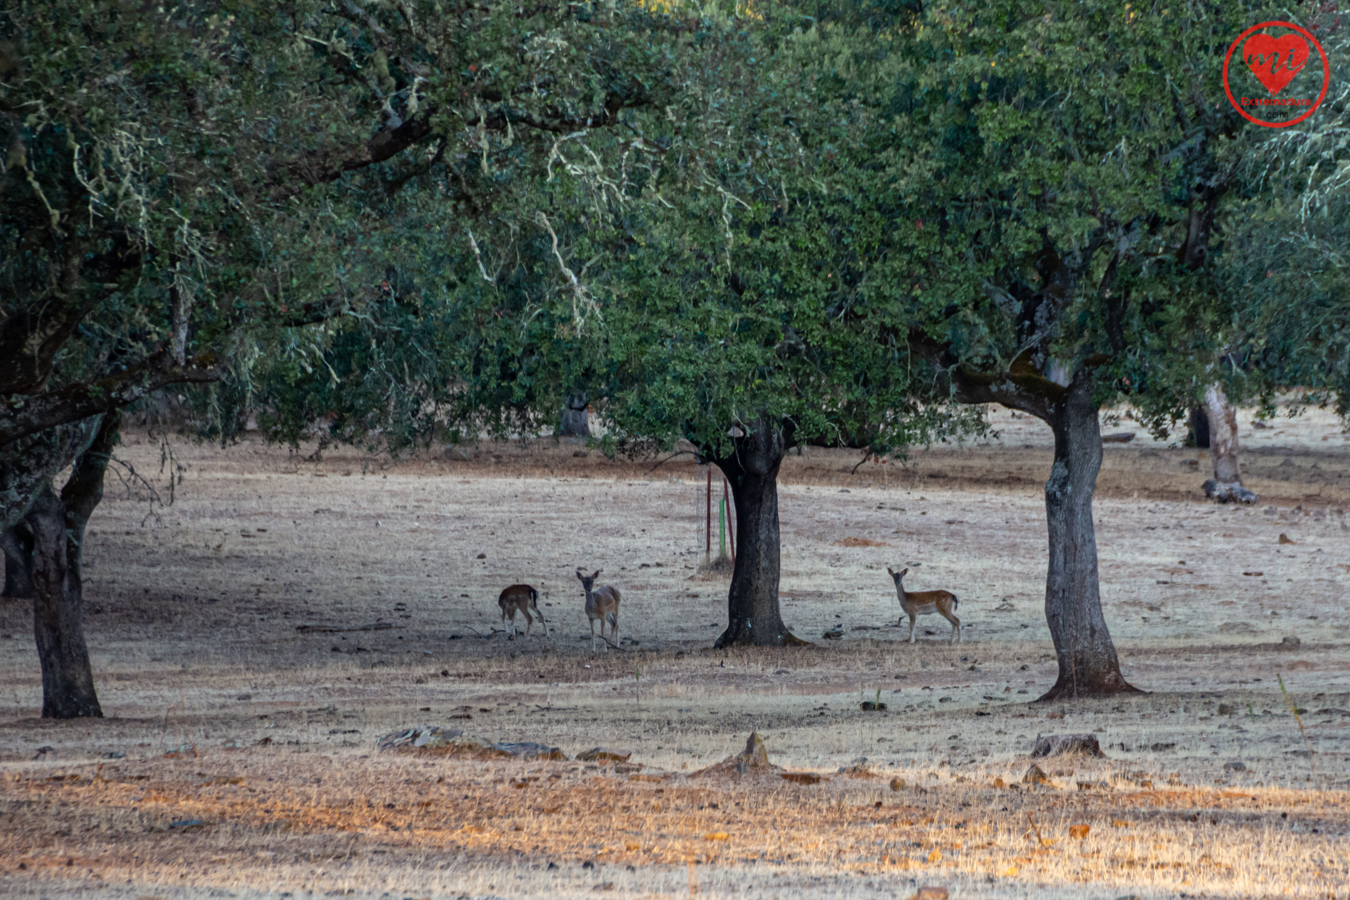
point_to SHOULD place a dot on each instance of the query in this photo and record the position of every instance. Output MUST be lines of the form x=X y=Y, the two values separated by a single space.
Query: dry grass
x=195 y=626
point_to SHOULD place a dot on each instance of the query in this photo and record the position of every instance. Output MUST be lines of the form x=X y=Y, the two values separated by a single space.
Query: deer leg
x=602 y=628
x=956 y=629
x=528 y=623
x=911 y=629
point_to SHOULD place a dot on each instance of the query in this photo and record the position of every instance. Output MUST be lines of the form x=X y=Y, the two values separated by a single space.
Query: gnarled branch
x=80 y=401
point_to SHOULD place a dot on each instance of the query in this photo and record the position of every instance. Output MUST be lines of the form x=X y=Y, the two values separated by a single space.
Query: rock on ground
x=1066 y=745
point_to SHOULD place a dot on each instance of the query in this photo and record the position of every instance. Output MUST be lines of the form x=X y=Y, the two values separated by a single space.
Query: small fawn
x=921 y=603
x=601 y=603
x=524 y=598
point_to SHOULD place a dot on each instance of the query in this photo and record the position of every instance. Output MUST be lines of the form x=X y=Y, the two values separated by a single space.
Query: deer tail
x=956 y=601
x=611 y=619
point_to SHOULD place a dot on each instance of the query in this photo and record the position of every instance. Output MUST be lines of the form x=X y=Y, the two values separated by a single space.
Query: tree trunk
x=58 y=525
x=1197 y=434
x=17 y=543
x=576 y=420
x=1073 y=609
x=27 y=466
x=1226 y=485
x=752 y=471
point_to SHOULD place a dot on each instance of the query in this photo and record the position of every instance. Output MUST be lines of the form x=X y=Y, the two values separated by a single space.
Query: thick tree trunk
x=58 y=525
x=30 y=464
x=1073 y=609
x=17 y=543
x=576 y=421
x=1226 y=485
x=752 y=472
x=1197 y=434
x=58 y=612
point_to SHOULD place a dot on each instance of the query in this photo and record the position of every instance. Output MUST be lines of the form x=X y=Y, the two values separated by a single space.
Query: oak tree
x=192 y=187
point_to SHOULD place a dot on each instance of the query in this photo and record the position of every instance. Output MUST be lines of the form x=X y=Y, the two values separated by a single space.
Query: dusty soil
x=238 y=757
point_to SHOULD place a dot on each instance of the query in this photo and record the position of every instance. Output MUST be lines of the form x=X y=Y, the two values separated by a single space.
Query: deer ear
x=597 y=572
x=890 y=572
x=904 y=572
x=579 y=574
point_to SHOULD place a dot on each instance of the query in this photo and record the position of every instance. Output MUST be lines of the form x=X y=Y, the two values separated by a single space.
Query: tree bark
x=17 y=543
x=58 y=524
x=752 y=471
x=1226 y=485
x=1073 y=609
x=28 y=465
x=576 y=420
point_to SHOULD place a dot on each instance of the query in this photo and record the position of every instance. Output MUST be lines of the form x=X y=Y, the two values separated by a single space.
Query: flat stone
x=856 y=772
x=1066 y=745
x=435 y=738
x=530 y=750
x=597 y=754
x=418 y=736
x=1229 y=492
x=186 y=824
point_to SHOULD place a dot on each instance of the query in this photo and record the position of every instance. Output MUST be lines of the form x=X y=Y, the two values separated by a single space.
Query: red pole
x=731 y=532
x=707 y=550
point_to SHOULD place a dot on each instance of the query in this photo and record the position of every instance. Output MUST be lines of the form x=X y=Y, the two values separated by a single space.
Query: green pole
x=721 y=528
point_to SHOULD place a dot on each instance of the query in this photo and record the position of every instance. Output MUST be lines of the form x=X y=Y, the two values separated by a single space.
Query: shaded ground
x=210 y=624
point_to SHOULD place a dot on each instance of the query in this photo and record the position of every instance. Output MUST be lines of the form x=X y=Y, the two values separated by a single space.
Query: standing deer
x=601 y=603
x=524 y=598
x=921 y=603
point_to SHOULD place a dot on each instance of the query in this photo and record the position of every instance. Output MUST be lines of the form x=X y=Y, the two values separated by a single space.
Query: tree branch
x=290 y=177
x=80 y=401
x=1021 y=387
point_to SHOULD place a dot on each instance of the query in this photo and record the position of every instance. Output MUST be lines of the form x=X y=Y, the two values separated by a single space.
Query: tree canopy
x=181 y=182
x=1290 y=276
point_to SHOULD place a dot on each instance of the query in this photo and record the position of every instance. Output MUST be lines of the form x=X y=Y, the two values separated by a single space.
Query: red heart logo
x=1275 y=61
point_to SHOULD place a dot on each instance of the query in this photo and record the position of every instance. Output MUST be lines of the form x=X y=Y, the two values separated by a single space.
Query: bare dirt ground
x=238 y=758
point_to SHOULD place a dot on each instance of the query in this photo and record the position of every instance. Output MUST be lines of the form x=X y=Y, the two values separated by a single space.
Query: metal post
x=707 y=531
x=721 y=528
x=731 y=532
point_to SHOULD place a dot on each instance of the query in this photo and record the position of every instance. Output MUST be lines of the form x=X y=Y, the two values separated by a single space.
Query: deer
x=523 y=598
x=921 y=603
x=601 y=603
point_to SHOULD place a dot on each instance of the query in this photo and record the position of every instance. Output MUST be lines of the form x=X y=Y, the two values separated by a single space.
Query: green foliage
x=411 y=219
x=1290 y=276
x=1023 y=192
x=201 y=192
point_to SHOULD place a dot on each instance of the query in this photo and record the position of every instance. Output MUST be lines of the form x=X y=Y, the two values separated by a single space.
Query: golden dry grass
x=202 y=617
